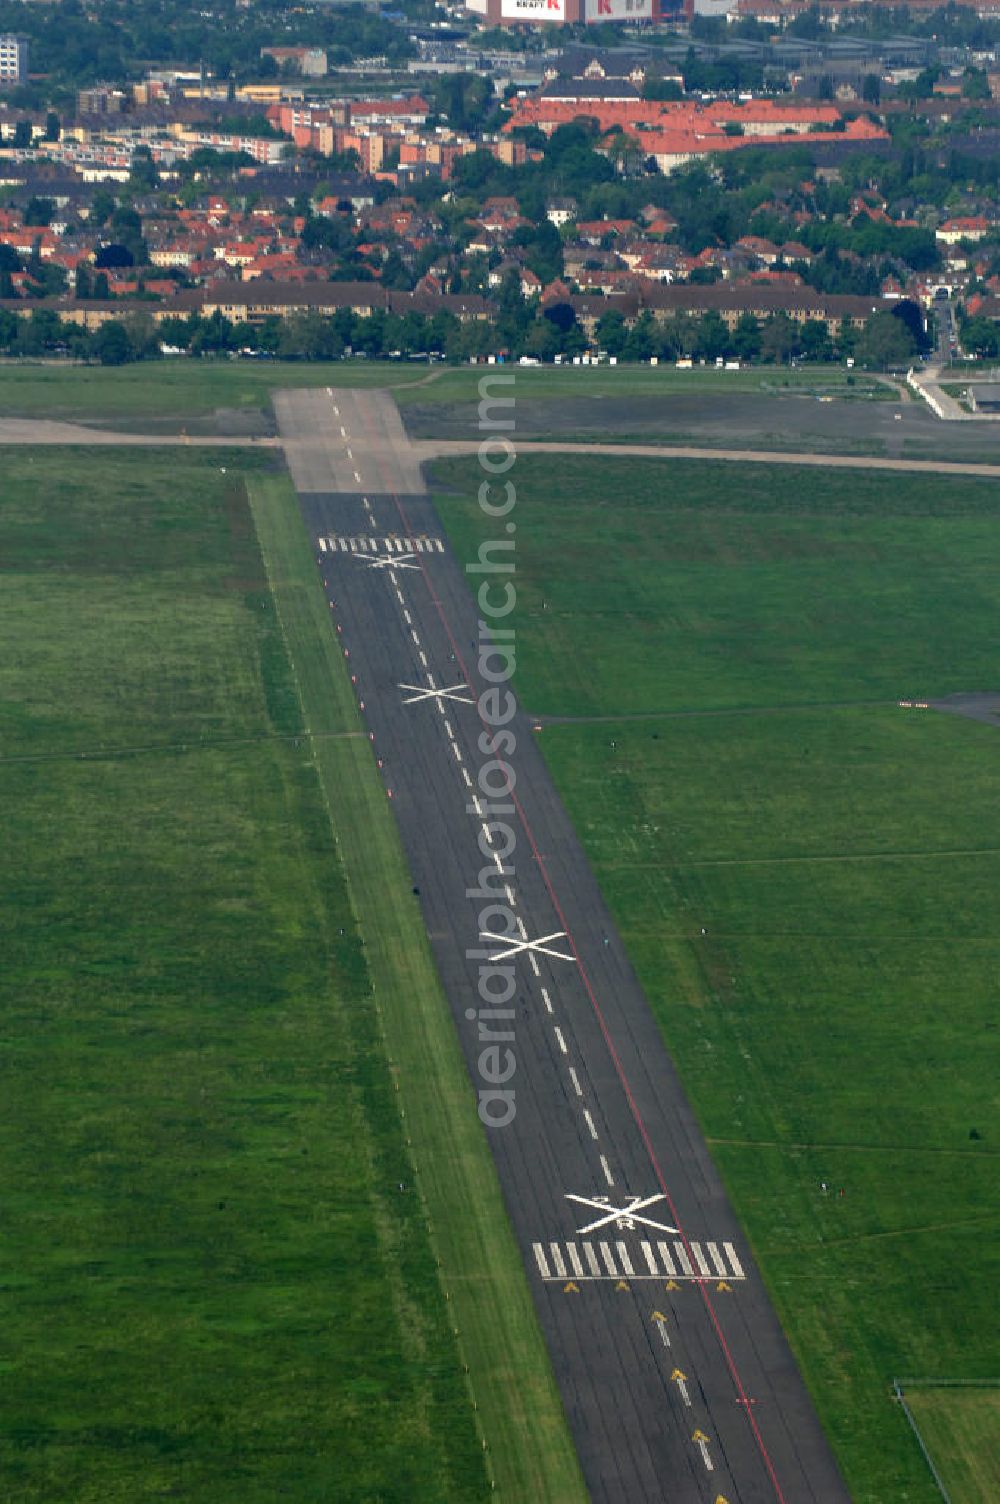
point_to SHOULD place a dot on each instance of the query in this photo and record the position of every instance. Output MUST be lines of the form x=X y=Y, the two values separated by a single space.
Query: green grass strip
x=520 y=1415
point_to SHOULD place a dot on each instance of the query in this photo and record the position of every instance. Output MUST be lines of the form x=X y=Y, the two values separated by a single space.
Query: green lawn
x=960 y=1427
x=531 y=1457
x=178 y=389
x=460 y=384
x=211 y=1287
x=723 y=586
x=748 y=634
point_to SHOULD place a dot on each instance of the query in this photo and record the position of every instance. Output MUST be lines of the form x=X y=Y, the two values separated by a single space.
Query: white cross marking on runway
x=416 y=693
x=622 y=1216
x=394 y=561
x=533 y=947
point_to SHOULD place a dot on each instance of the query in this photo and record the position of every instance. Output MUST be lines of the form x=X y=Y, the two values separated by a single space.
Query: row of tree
x=888 y=339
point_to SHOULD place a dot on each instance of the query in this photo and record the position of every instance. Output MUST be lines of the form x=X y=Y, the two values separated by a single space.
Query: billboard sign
x=618 y=10
x=533 y=10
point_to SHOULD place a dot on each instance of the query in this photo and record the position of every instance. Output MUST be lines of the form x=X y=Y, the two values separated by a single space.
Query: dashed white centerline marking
x=423 y=658
x=562 y=1042
x=486 y=833
x=357 y=477
x=547 y=1001
x=576 y=1081
x=451 y=734
x=468 y=780
x=399 y=596
x=590 y=1123
x=350 y=456
x=533 y=963
x=497 y=858
x=416 y=639
x=407 y=617
x=509 y=892
x=607 y=1171
x=458 y=755
x=343 y=430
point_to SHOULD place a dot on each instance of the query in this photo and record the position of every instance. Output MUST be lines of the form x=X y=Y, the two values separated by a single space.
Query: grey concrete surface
x=428 y=449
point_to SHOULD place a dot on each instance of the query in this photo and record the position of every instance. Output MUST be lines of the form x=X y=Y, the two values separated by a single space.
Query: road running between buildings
x=676 y=1377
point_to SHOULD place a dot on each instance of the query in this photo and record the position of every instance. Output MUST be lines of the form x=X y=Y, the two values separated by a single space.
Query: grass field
x=182 y=389
x=459 y=384
x=747 y=634
x=531 y=1455
x=211 y=1286
x=960 y=1427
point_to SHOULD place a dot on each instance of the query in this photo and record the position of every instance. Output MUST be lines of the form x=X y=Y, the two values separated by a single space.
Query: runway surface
x=674 y=1372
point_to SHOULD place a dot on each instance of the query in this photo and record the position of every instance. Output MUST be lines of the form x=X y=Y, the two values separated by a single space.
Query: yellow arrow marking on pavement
x=621 y=1285
x=671 y=1285
x=571 y=1289
x=723 y=1286
x=678 y=1375
x=699 y=1436
x=657 y=1316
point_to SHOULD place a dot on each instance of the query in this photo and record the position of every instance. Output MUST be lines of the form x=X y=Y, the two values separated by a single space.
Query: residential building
x=13 y=59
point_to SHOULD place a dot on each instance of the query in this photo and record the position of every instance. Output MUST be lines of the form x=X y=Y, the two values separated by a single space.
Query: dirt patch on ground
x=977 y=707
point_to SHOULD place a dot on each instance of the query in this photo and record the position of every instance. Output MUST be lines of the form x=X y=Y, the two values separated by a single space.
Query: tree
x=53 y=130
x=40 y=333
x=779 y=338
x=143 y=177
x=544 y=340
x=39 y=211
x=22 y=134
x=110 y=345
x=816 y=342
x=308 y=336
x=713 y=336
x=513 y=315
x=885 y=341
x=662 y=89
x=871 y=88
x=213 y=336
x=975 y=84
x=746 y=338
x=611 y=333
x=641 y=340
x=102 y=206
x=113 y=255
x=981 y=337
x=143 y=339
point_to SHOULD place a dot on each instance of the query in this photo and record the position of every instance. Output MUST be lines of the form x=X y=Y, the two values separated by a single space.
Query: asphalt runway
x=675 y=1375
